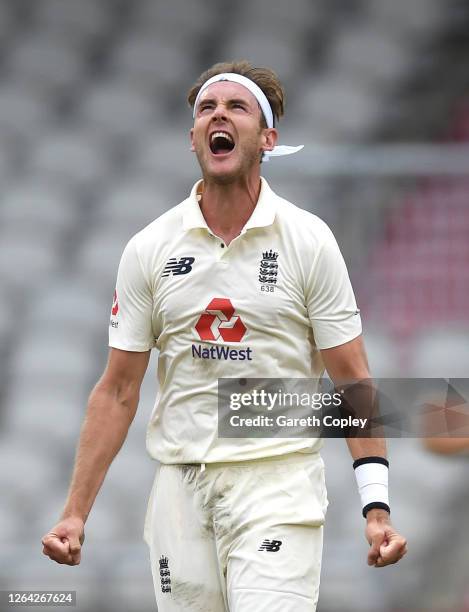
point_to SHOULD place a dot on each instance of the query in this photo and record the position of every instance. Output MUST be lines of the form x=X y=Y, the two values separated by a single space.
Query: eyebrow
x=230 y=101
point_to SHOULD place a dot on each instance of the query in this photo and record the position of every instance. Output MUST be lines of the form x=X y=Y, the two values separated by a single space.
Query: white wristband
x=372 y=479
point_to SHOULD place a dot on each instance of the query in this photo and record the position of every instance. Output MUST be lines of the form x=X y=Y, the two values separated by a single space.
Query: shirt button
x=222 y=245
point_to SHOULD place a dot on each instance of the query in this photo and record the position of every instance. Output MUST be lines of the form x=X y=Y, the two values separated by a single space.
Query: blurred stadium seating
x=94 y=146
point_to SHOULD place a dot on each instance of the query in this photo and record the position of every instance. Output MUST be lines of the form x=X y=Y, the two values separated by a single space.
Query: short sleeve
x=331 y=304
x=130 y=327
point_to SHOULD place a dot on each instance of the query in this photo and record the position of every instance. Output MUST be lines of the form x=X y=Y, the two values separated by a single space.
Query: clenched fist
x=387 y=546
x=63 y=542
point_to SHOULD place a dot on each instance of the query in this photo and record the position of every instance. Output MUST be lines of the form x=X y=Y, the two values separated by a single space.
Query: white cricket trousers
x=238 y=537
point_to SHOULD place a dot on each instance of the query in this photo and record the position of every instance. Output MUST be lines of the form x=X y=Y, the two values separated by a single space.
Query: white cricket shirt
x=261 y=307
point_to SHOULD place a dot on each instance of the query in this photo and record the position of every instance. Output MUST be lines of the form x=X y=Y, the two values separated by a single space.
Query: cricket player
x=233 y=282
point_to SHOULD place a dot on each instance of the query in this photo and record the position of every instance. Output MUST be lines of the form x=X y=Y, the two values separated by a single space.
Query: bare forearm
x=104 y=430
x=366 y=447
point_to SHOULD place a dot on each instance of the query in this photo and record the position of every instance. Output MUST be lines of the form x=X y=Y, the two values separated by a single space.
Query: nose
x=219 y=112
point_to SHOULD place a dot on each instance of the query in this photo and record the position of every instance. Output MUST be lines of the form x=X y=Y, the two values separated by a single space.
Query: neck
x=227 y=207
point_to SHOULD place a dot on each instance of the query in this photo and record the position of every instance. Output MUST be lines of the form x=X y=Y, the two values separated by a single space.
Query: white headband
x=263 y=103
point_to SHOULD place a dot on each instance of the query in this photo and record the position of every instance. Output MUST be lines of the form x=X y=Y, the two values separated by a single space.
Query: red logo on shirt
x=219 y=320
x=115 y=305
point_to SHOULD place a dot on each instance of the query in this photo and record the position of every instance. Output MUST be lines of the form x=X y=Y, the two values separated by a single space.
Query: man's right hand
x=63 y=542
x=111 y=409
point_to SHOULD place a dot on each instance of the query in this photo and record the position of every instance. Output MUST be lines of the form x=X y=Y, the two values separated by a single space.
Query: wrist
x=377 y=515
x=74 y=515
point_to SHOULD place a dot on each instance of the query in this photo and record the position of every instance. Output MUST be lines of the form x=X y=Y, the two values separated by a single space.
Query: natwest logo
x=219 y=320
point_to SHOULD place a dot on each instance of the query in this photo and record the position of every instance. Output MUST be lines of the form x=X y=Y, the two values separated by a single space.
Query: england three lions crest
x=268 y=270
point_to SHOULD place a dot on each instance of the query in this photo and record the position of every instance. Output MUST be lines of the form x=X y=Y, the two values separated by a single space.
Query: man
x=232 y=524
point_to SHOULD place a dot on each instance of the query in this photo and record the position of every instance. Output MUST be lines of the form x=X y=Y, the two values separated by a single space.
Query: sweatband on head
x=263 y=103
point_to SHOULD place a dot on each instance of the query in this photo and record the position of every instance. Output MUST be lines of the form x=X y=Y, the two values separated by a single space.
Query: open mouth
x=221 y=143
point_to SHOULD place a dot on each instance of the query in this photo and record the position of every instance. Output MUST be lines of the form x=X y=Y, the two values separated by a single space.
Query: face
x=227 y=136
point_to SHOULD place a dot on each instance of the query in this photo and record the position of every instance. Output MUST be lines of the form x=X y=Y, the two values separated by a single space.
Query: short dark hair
x=265 y=78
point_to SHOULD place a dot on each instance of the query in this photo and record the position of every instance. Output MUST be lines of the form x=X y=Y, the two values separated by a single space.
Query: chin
x=224 y=174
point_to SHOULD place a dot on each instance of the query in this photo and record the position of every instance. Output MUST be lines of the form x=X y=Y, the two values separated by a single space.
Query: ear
x=191 y=134
x=269 y=139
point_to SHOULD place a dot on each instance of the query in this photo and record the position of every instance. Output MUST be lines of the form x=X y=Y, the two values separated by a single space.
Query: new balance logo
x=175 y=267
x=271 y=545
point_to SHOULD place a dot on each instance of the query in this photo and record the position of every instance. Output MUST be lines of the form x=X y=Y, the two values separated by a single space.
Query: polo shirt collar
x=262 y=215
x=192 y=215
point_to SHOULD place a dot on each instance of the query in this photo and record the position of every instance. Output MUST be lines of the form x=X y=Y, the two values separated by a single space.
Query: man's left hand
x=387 y=546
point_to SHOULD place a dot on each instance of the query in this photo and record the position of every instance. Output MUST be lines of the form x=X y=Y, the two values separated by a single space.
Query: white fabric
x=372 y=482
x=208 y=528
x=248 y=84
x=310 y=307
x=260 y=96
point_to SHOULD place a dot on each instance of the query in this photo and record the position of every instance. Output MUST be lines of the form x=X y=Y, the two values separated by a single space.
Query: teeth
x=221 y=135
